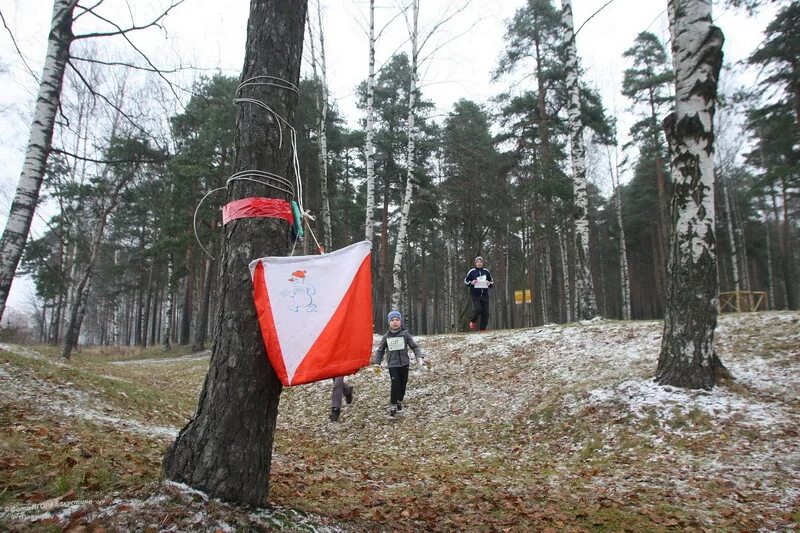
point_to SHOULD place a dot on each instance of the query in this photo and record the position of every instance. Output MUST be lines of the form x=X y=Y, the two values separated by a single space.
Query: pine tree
x=647 y=83
x=777 y=151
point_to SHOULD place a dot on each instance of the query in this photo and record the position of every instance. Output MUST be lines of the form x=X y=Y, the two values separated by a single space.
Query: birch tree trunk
x=226 y=449
x=115 y=305
x=322 y=121
x=410 y=153
x=39 y=144
x=731 y=236
x=624 y=271
x=323 y=138
x=770 y=276
x=741 y=243
x=563 y=249
x=85 y=283
x=687 y=356
x=369 y=224
x=587 y=304
x=170 y=304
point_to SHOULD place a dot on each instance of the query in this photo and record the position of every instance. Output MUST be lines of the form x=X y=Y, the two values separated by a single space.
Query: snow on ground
x=190 y=510
x=30 y=354
x=66 y=400
x=570 y=409
x=199 y=356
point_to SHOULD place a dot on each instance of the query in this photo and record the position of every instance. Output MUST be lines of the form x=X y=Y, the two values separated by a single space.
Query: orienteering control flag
x=315 y=313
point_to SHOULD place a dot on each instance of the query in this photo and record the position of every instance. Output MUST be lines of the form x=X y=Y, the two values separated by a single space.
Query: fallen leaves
x=545 y=429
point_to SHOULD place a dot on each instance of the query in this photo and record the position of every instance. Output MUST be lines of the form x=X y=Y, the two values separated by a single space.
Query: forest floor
x=555 y=428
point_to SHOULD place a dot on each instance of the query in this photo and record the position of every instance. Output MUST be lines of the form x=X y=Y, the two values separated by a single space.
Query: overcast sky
x=211 y=34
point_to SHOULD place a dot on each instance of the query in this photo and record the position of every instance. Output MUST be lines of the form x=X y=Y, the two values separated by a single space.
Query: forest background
x=491 y=167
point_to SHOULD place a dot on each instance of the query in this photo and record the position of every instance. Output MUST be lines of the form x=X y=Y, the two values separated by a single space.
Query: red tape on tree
x=258 y=207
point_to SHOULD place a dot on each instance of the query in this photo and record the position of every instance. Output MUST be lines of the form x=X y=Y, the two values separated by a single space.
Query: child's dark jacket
x=399 y=357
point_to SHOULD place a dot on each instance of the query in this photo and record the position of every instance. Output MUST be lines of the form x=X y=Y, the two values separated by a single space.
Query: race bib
x=395 y=343
x=481 y=283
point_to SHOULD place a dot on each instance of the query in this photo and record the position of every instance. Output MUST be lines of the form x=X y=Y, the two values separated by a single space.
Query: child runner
x=397 y=341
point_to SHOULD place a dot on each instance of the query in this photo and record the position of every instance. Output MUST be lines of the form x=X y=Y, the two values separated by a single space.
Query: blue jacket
x=475 y=273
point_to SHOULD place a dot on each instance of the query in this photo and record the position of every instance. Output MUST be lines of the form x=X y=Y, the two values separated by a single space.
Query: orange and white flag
x=315 y=312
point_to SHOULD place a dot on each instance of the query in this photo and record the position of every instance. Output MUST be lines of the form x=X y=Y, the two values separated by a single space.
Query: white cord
x=194 y=220
x=277 y=182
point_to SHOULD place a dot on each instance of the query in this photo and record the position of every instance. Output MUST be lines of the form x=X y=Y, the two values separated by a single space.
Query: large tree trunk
x=39 y=144
x=410 y=155
x=369 y=224
x=587 y=304
x=226 y=449
x=687 y=347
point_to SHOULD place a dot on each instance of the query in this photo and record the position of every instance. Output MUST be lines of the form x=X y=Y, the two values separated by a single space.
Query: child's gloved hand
x=421 y=362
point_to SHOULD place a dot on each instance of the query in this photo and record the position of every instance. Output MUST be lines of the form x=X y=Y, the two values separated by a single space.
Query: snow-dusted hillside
x=557 y=427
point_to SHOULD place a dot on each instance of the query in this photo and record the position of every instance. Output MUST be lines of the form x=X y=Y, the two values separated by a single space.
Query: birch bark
x=624 y=273
x=369 y=224
x=410 y=153
x=687 y=347
x=322 y=121
x=167 y=341
x=39 y=144
x=587 y=304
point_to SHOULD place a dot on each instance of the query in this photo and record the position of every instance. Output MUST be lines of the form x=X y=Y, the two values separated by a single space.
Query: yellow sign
x=525 y=296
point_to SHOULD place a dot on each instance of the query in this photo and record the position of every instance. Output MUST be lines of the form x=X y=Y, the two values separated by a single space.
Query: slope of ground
x=557 y=427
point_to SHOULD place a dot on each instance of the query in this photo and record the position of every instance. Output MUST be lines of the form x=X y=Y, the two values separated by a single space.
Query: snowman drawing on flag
x=300 y=293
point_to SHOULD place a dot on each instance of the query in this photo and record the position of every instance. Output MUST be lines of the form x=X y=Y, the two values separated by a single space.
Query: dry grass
x=555 y=428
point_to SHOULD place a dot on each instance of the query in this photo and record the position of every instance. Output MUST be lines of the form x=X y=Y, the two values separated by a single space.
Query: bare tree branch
x=120 y=31
x=592 y=16
x=124 y=34
x=386 y=26
x=86 y=10
x=445 y=43
x=444 y=21
x=19 y=52
x=360 y=23
x=135 y=67
x=106 y=161
x=96 y=95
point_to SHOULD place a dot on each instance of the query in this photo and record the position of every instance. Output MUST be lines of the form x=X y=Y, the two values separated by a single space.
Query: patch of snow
x=64 y=400
x=200 y=356
x=30 y=354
